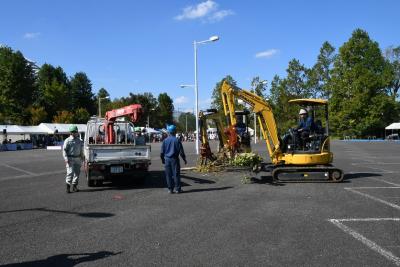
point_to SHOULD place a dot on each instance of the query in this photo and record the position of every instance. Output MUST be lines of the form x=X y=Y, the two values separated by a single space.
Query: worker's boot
x=68 y=189
x=75 y=188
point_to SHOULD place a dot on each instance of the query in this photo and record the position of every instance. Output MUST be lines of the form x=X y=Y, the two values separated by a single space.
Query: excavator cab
x=312 y=134
x=242 y=130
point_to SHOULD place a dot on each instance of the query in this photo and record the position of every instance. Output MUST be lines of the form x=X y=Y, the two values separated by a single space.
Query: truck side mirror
x=4 y=131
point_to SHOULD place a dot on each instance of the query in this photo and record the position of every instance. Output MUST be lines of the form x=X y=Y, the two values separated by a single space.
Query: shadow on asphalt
x=155 y=179
x=350 y=176
x=207 y=189
x=82 y=214
x=64 y=260
x=266 y=180
x=198 y=180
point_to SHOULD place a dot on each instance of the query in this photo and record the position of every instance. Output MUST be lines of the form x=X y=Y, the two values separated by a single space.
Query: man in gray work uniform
x=73 y=155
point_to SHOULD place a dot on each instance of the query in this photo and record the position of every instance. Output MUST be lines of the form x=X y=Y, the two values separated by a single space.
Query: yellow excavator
x=230 y=142
x=294 y=157
x=205 y=151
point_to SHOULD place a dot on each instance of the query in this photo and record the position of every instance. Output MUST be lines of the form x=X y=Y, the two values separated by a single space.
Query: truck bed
x=116 y=153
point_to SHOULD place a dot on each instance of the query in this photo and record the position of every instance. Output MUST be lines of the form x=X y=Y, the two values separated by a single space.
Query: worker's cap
x=171 y=128
x=302 y=111
x=73 y=128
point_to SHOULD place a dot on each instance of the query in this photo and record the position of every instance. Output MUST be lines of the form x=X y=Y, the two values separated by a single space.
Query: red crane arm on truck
x=134 y=112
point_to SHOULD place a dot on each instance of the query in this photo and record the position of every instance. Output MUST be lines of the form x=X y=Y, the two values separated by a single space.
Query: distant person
x=171 y=148
x=139 y=137
x=73 y=155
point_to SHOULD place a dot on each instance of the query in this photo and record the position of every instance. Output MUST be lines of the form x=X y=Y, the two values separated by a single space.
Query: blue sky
x=147 y=46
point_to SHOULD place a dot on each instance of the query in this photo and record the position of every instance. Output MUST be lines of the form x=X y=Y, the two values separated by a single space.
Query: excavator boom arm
x=260 y=107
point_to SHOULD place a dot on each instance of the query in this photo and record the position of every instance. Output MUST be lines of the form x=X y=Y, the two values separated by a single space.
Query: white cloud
x=181 y=100
x=31 y=35
x=198 y=11
x=219 y=15
x=208 y=11
x=267 y=54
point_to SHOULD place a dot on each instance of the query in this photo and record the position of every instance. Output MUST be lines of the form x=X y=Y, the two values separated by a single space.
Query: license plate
x=117 y=169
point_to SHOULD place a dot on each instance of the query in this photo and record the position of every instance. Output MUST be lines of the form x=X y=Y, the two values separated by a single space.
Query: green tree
x=392 y=55
x=284 y=113
x=186 y=119
x=17 y=86
x=63 y=116
x=216 y=100
x=296 y=81
x=320 y=74
x=38 y=115
x=164 y=110
x=54 y=92
x=81 y=115
x=81 y=93
x=258 y=86
x=106 y=103
x=359 y=80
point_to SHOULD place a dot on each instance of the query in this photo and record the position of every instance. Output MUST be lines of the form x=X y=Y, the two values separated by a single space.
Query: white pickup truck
x=128 y=157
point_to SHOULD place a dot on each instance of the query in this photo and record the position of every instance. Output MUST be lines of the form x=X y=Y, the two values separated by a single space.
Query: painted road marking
x=32 y=175
x=353 y=189
x=372 y=245
x=374 y=168
x=384 y=181
x=17 y=169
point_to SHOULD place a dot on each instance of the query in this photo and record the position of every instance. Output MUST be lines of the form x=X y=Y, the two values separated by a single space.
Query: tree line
x=360 y=81
x=30 y=95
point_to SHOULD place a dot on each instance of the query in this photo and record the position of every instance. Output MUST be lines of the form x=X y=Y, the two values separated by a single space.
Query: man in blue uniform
x=171 y=148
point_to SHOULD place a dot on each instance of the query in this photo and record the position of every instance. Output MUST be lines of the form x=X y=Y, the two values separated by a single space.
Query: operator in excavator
x=301 y=132
x=306 y=125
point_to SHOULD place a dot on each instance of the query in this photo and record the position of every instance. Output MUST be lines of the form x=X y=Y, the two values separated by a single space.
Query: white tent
x=393 y=126
x=62 y=128
x=151 y=130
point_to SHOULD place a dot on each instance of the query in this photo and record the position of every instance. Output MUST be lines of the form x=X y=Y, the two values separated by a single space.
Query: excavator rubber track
x=304 y=174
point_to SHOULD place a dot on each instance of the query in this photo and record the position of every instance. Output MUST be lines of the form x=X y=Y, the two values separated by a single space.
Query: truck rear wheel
x=90 y=183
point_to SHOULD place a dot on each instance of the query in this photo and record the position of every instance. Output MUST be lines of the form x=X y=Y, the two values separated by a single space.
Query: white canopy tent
x=393 y=126
x=61 y=128
x=151 y=130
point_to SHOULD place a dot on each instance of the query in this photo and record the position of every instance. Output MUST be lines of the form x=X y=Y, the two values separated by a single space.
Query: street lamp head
x=186 y=85
x=214 y=38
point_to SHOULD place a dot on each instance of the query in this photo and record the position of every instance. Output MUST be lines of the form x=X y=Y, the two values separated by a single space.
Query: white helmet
x=302 y=111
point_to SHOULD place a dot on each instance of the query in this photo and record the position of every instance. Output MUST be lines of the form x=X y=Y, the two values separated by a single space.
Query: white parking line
x=372 y=245
x=17 y=169
x=32 y=175
x=383 y=181
x=353 y=189
x=374 y=168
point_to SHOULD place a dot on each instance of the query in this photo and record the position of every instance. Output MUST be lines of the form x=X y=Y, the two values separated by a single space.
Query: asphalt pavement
x=218 y=221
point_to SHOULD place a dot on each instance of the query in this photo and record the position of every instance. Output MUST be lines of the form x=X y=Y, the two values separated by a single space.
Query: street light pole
x=196 y=93
x=196 y=85
x=100 y=98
